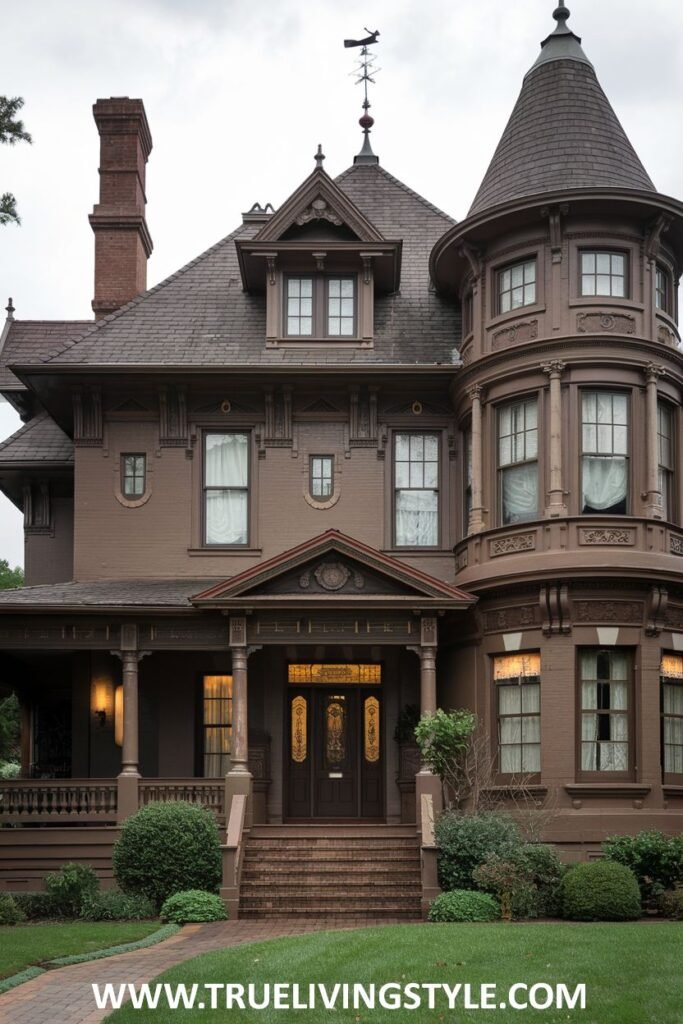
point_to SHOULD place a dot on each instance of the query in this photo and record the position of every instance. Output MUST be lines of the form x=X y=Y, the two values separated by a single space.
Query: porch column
x=238 y=781
x=129 y=777
x=556 y=504
x=476 y=523
x=425 y=782
x=653 y=496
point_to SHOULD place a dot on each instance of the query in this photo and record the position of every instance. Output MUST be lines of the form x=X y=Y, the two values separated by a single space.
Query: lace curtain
x=227 y=470
x=417 y=518
x=605 y=481
x=520 y=493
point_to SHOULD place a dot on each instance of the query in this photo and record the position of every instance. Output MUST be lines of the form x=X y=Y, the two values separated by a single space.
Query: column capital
x=554 y=368
x=130 y=655
x=476 y=392
x=653 y=371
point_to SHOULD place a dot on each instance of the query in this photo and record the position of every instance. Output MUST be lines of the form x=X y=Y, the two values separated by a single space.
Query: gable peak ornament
x=319 y=209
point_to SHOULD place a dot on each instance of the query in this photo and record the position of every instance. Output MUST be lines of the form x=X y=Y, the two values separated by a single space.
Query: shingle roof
x=200 y=316
x=562 y=134
x=34 y=341
x=41 y=440
x=107 y=594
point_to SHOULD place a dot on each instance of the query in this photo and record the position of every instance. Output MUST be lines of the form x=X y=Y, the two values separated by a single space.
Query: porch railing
x=208 y=792
x=36 y=801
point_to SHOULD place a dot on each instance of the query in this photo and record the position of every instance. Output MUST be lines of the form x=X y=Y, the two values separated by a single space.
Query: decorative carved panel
x=319 y=209
x=519 y=617
x=516 y=334
x=428 y=631
x=238 y=631
x=613 y=323
x=608 y=611
x=608 y=537
x=665 y=335
x=512 y=544
x=363 y=417
x=173 y=417
x=371 y=727
x=88 y=417
x=676 y=544
x=299 y=729
x=278 y=433
x=461 y=560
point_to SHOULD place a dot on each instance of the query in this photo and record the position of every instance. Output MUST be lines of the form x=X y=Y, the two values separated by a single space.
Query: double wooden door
x=334 y=752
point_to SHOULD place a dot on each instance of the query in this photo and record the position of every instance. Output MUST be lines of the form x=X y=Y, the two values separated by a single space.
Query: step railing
x=51 y=801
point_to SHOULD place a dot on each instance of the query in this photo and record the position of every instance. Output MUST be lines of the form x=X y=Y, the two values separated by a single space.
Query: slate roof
x=201 y=317
x=562 y=134
x=34 y=341
x=40 y=440
x=106 y=594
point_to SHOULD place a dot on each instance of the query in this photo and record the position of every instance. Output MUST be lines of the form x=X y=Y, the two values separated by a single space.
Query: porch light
x=118 y=716
x=101 y=702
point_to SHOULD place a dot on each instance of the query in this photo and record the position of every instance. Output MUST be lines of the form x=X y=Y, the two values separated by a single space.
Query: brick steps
x=368 y=873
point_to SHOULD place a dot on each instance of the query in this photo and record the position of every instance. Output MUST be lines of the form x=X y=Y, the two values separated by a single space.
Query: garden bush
x=193 y=905
x=546 y=871
x=167 y=848
x=464 y=905
x=670 y=904
x=36 y=906
x=655 y=859
x=114 y=905
x=10 y=770
x=508 y=880
x=10 y=913
x=600 y=891
x=466 y=840
x=69 y=888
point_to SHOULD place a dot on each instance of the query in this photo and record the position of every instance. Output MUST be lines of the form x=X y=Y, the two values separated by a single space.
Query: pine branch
x=8 y=210
x=11 y=129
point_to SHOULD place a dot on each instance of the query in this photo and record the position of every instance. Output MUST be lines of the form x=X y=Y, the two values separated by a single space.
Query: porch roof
x=104 y=594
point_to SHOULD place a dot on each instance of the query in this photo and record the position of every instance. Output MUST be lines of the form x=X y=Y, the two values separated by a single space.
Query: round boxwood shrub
x=167 y=848
x=192 y=906
x=466 y=840
x=114 y=905
x=9 y=911
x=654 y=858
x=69 y=888
x=464 y=905
x=600 y=891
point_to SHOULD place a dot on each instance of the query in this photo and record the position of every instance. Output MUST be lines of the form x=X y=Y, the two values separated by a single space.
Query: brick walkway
x=64 y=995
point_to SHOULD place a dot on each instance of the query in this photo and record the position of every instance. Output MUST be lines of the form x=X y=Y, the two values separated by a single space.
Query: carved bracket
x=555 y=611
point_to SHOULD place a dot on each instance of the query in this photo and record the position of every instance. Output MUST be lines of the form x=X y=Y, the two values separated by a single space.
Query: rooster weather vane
x=364 y=72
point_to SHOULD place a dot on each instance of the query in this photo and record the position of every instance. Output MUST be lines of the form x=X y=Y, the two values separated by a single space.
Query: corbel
x=271 y=266
x=653 y=235
x=473 y=257
x=554 y=214
x=657 y=602
x=319 y=258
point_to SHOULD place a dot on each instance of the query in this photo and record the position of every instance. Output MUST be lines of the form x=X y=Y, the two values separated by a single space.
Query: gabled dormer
x=320 y=262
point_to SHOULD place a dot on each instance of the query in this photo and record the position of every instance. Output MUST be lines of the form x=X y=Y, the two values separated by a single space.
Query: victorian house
x=354 y=462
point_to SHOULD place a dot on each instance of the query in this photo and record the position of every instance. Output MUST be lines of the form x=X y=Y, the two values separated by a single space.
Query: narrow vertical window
x=605 y=694
x=467 y=504
x=217 y=725
x=518 y=461
x=672 y=714
x=518 y=687
x=226 y=488
x=321 y=476
x=516 y=286
x=665 y=446
x=341 y=307
x=133 y=473
x=604 y=273
x=604 y=463
x=468 y=315
x=416 y=490
x=299 y=311
x=662 y=290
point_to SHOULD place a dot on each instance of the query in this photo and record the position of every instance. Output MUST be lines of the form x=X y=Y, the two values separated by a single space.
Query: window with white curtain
x=226 y=488
x=671 y=673
x=604 y=460
x=517 y=679
x=665 y=447
x=518 y=461
x=217 y=725
x=416 y=490
x=605 y=695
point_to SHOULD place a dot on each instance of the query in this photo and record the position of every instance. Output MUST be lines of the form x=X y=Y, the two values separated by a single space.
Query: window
x=133 y=472
x=604 y=273
x=605 y=681
x=467 y=504
x=662 y=290
x=320 y=307
x=468 y=315
x=321 y=476
x=518 y=461
x=671 y=674
x=518 y=687
x=226 y=488
x=604 y=462
x=665 y=445
x=517 y=286
x=216 y=725
x=416 y=490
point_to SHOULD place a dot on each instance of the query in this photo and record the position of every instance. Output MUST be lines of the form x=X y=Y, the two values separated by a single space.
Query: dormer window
x=319 y=306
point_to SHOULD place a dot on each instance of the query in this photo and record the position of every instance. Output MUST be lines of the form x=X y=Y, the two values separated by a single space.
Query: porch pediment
x=333 y=570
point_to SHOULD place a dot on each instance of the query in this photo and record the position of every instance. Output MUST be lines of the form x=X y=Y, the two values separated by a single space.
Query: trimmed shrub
x=36 y=906
x=193 y=905
x=600 y=891
x=114 y=905
x=10 y=913
x=670 y=903
x=167 y=848
x=463 y=905
x=466 y=840
x=10 y=770
x=69 y=888
x=546 y=872
x=655 y=859
x=506 y=879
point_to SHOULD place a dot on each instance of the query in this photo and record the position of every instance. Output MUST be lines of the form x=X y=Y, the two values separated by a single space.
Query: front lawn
x=632 y=971
x=30 y=944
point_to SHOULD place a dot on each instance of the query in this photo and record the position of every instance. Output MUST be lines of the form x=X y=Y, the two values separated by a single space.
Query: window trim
x=586 y=250
x=321 y=498
x=629 y=775
x=320 y=307
x=507 y=777
x=627 y=394
x=498 y=272
x=205 y=544
x=438 y=434
x=128 y=495
x=500 y=470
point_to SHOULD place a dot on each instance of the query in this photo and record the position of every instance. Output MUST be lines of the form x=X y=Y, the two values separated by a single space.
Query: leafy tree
x=10 y=577
x=9 y=729
x=11 y=131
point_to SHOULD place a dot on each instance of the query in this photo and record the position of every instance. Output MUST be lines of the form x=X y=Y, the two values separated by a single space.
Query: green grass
x=632 y=972
x=27 y=945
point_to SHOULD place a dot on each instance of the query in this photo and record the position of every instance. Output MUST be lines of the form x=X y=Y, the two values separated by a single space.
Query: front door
x=334 y=752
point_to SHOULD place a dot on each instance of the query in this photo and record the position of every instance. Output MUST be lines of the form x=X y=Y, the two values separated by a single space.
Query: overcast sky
x=239 y=93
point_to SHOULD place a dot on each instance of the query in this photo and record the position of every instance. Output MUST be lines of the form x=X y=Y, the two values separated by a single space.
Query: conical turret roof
x=563 y=132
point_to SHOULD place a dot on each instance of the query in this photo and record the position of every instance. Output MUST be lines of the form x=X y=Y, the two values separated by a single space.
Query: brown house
x=353 y=460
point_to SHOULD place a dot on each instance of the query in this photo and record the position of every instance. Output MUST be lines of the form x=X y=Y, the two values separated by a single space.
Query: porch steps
x=363 y=872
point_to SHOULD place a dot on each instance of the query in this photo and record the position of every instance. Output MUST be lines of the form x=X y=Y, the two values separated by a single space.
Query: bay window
x=518 y=461
x=605 y=702
x=604 y=273
x=416 y=490
x=226 y=488
x=604 y=460
x=671 y=674
x=517 y=679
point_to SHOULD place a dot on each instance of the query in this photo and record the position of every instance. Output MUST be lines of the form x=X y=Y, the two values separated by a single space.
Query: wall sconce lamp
x=101 y=716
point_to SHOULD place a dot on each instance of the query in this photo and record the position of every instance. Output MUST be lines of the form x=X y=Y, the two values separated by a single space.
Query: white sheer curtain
x=226 y=480
x=604 y=720
x=417 y=514
x=520 y=728
x=520 y=493
x=672 y=697
x=605 y=481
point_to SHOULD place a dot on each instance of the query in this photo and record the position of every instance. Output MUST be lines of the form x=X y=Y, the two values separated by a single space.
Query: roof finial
x=561 y=14
x=319 y=157
x=364 y=72
x=10 y=309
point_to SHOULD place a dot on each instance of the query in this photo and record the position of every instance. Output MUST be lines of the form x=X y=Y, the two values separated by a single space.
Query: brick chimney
x=122 y=241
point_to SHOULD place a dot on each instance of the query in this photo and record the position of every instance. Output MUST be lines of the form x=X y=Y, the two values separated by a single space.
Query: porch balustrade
x=42 y=801
x=210 y=793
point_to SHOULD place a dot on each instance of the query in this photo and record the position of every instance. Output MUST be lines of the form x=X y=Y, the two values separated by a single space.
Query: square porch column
x=129 y=777
x=426 y=783
x=239 y=780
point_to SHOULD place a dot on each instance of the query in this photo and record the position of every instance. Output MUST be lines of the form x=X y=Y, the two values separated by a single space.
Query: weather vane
x=364 y=73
